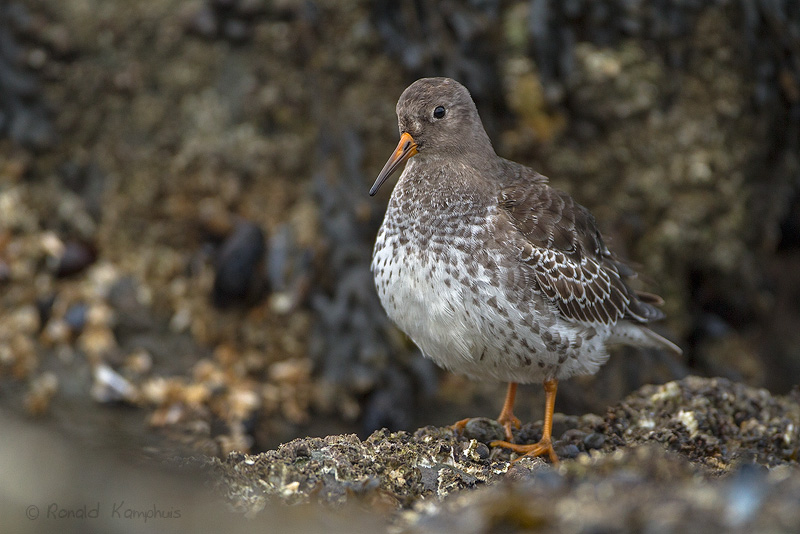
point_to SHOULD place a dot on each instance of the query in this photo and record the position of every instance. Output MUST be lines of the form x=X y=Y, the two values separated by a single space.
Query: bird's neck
x=433 y=181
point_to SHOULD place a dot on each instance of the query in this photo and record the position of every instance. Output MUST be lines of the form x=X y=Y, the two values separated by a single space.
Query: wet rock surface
x=643 y=488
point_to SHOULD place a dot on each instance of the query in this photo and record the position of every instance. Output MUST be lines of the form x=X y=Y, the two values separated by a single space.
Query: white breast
x=413 y=288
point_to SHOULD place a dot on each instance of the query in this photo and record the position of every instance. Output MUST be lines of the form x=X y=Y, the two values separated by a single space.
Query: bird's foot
x=509 y=420
x=545 y=446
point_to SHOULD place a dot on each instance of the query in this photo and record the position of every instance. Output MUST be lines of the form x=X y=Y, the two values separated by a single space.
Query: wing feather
x=572 y=265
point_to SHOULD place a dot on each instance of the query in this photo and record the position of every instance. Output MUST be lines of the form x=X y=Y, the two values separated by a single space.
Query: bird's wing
x=572 y=265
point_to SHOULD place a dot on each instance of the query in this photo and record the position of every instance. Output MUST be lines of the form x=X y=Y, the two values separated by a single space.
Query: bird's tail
x=626 y=333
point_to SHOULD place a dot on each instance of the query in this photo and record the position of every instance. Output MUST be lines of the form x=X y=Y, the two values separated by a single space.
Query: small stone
x=484 y=429
x=5 y=272
x=76 y=256
x=482 y=451
x=97 y=341
x=51 y=244
x=291 y=371
x=567 y=451
x=56 y=332
x=26 y=320
x=529 y=433
x=239 y=277
x=196 y=394
x=595 y=440
x=519 y=473
x=75 y=316
x=573 y=435
x=100 y=314
x=110 y=386
x=157 y=390
x=241 y=403
x=563 y=423
x=139 y=362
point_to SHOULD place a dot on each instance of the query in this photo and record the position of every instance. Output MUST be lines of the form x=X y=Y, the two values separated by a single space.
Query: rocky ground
x=697 y=455
x=185 y=233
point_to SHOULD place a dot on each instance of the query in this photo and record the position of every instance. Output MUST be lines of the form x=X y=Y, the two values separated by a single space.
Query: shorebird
x=489 y=270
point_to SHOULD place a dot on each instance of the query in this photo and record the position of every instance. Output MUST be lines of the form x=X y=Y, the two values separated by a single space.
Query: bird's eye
x=438 y=113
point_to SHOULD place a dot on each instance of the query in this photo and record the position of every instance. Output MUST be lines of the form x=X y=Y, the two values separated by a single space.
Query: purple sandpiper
x=489 y=270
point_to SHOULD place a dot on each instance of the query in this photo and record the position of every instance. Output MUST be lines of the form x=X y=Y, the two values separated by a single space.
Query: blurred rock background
x=185 y=232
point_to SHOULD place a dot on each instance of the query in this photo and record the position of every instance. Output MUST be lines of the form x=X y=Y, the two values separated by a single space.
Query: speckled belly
x=456 y=308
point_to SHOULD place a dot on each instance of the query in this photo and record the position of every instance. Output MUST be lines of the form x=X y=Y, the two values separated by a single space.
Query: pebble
x=482 y=450
x=239 y=278
x=573 y=435
x=595 y=440
x=5 y=272
x=567 y=451
x=56 y=332
x=529 y=433
x=483 y=429
x=110 y=386
x=26 y=320
x=75 y=316
x=139 y=362
x=75 y=257
x=97 y=342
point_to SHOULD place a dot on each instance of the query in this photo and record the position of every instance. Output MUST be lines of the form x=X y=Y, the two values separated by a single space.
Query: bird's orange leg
x=507 y=417
x=545 y=445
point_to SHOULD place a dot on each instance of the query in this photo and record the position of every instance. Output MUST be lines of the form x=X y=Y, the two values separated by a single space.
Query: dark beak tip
x=377 y=185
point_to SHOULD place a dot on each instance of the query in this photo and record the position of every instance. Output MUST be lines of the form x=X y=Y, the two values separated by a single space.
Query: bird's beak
x=405 y=149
